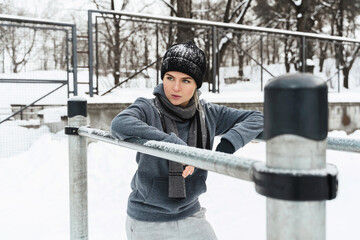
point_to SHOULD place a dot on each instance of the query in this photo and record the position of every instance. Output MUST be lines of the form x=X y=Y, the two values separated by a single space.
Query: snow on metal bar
x=228 y=25
x=343 y=144
x=6 y=17
x=222 y=163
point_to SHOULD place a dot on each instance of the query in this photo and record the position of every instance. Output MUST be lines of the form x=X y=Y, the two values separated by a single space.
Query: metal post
x=90 y=48
x=338 y=65
x=261 y=61
x=77 y=113
x=157 y=54
x=296 y=126
x=214 y=43
x=303 y=55
x=97 y=55
x=73 y=32
x=67 y=40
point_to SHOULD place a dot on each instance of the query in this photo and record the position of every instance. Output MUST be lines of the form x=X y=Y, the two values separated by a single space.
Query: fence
x=37 y=74
x=236 y=53
x=296 y=190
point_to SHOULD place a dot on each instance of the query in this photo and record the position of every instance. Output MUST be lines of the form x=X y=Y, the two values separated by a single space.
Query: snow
x=35 y=194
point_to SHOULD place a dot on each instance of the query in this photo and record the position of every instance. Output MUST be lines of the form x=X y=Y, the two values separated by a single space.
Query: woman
x=164 y=200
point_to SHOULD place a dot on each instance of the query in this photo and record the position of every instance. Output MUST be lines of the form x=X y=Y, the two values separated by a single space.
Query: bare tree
x=15 y=45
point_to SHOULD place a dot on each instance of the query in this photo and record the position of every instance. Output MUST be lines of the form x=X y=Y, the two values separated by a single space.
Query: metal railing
x=212 y=35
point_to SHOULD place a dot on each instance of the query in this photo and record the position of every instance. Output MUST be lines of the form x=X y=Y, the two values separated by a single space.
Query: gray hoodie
x=149 y=199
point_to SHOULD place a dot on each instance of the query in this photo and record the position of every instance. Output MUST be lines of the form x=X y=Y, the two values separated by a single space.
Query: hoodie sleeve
x=237 y=126
x=137 y=120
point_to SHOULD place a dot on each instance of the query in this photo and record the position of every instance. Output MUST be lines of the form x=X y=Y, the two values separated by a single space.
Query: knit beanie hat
x=186 y=58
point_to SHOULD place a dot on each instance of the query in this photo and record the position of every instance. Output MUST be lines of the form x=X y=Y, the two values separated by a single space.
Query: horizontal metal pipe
x=338 y=143
x=229 y=25
x=343 y=144
x=6 y=17
x=230 y=165
x=14 y=80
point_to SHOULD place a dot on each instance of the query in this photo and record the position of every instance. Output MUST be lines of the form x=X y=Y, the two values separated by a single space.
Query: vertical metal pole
x=74 y=49
x=90 y=47
x=157 y=54
x=295 y=133
x=218 y=65
x=77 y=113
x=338 y=66
x=303 y=55
x=261 y=61
x=214 y=43
x=97 y=55
x=67 y=63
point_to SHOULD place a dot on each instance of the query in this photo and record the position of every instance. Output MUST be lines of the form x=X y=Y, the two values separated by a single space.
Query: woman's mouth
x=174 y=96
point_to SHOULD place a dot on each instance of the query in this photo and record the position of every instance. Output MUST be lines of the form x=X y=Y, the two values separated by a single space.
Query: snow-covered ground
x=34 y=190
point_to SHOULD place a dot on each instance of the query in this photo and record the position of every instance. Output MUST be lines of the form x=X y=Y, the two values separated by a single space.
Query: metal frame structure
x=70 y=35
x=303 y=37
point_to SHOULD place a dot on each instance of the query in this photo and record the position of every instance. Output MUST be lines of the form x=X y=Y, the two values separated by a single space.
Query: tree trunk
x=184 y=31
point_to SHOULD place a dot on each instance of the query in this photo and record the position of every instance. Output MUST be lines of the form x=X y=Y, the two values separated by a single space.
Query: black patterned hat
x=186 y=58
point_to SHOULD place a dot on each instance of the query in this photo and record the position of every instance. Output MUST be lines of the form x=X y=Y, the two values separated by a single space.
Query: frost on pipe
x=222 y=163
x=343 y=144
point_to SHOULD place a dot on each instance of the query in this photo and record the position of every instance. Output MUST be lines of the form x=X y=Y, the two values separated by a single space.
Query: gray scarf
x=197 y=137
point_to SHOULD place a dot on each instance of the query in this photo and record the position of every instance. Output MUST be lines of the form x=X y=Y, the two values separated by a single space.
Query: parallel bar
x=32 y=20
x=222 y=163
x=32 y=81
x=339 y=143
x=343 y=144
x=228 y=25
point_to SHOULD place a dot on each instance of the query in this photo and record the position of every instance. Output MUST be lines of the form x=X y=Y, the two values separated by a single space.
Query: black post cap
x=77 y=106
x=296 y=104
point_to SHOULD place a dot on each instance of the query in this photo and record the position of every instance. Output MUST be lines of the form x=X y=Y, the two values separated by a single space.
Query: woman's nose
x=176 y=86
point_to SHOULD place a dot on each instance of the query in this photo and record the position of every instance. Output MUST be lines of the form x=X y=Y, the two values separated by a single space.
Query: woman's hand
x=188 y=170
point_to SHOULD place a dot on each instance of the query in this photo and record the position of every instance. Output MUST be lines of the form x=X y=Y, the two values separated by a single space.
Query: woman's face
x=179 y=87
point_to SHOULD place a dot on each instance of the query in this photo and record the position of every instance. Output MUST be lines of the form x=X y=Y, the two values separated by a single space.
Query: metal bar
x=67 y=64
x=214 y=65
x=73 y=31
x=343 y=144
x=295 y=219
x=157 y=54
x=31 y=27
x=222 y=163
x=338 y=65
x=303 y=53
x=21 y=110
x=90 y=49
x=32 y=20
x=218 y=63
x=227 y=25
x=96 y=55
x=130 y=77
x=32 y=81
x=248 y=54
x=77 y=113
x=261 y=62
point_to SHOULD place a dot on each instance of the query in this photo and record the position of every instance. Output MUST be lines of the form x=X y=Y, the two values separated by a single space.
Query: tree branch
x=172 y=8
